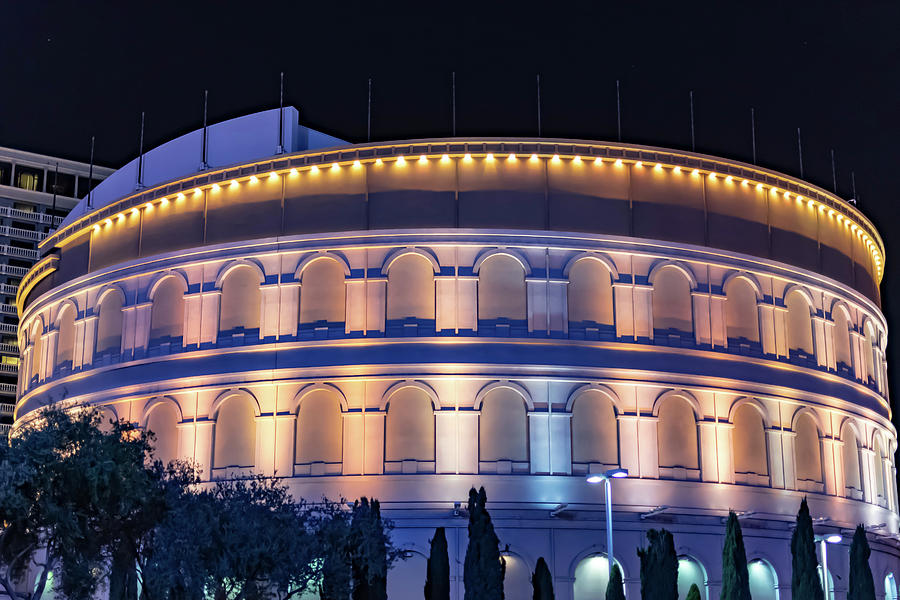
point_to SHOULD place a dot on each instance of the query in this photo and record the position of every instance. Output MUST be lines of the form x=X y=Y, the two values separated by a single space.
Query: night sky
x=69 y=70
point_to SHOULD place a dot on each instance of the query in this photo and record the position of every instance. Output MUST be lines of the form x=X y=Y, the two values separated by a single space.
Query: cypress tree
x=659 y=567
x=735 y=578
x=484 y=568
x=615 y=588
x=694 y=592
x=542 y=581
x=437 y=579
x=861 y=585
x=805 y=584
x=369 y=547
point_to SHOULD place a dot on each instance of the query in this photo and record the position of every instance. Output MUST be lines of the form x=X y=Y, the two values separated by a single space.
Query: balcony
x=8 y=309
x=19 y=252
x=7 y=368
x=9 y=328
x=23 y=234
x=24 y=215
x=4 y=429
x=14 y=271
x=9 y=349
x=9 y=290
x=7 y=409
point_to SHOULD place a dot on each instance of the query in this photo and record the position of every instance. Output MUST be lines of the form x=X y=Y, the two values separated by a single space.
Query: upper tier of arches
x=403 y=291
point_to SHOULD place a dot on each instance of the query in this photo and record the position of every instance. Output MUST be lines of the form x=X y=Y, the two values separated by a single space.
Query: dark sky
x=69 y=70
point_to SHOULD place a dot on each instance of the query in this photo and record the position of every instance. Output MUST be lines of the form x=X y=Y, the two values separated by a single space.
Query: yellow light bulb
x=401 y=161
x=787 y=195
x=273 y=175
x=511 y=157
x=379 y=162
x=759 y=187
x=335 y=166
x=253 y=178
x=489 y=157
x=712 y=175
x=745 y=183
x=577 y=160
x=422 y=159
x=598 y=161
x=313 y=169
x=729 y=179
x=677 y=170
x=467 y=157
x=695 y=173
x=164 y=201
x=555 y=158
x=618 y=162
x=294 y=172
x=356 y=164
x=658 y=167
x=533 y=158
x=215 y=187
x=639 y=164
x=149 y=206
x=180 y=196
x=234 y=183
x=134 y=211
x=107 y=222
x=96 y=228
x=445 y=158
x=120 y=217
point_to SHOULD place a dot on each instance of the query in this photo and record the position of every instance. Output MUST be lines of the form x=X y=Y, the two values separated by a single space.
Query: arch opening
x=672 y=305
x=109 y=325
x=235 y=434
x=409 y=431
x=741 y=315
x=319 y=433
x=322 y=294
x=677 y=439
x=589 y=297
x=167 y=313
x=751 y=464
x=595 y=437
x=240 y=304
x=65 y=340
x=592 y=577
x=502 y=301
x=503 y=432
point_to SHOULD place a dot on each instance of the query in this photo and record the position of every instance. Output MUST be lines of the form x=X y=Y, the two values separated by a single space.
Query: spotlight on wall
x=558 y=510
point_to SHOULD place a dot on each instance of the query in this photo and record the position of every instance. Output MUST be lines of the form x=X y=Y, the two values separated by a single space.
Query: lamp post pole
x=606 y=478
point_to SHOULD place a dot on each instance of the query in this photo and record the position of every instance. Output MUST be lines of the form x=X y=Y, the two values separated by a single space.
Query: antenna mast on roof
x=55 y=184
x=693 y=144
x=369 y=114
x=280 y=149
x=140 y=173
x=453 y=102
x=800 y=152
x=753 y=131
x=91 y=175
x=203 y=149
x=618 y=110
x=833 y=172
x=855 y=198
x=539 y=103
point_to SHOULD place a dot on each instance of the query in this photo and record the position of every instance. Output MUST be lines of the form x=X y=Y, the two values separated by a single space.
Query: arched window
x=240 y=301
x=65 y=339
x=322 y=293
x=749 y=441
x=807 y=451
x=167 y=311
x=410 y=426
x=516 y=577
x=677 y=434
x=595 y=436
x=235 y=433
x=163 y=422
x=741 y=314
x=870 y=346
x=319 y=428
x=763 y=580
x=503 y=427
x=592 y=577
x=850 y=454
x=501 y=289
x=890 y=587
x=799 y=323
x=841 y=332
x=672 y=305
x=691 y=572
x=410 y=288
x=37 y=348
x=109 y=324
x=590 y=294
x=880 y=493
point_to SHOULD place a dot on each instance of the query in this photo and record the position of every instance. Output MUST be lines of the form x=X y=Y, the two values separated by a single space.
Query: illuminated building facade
x=406 y=320
x=36 y=192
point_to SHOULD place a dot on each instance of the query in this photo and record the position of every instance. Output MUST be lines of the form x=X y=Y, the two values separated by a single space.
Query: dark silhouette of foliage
x=861 y=584
x=79 y=494
x=371 y=552
x=693 y=592
x=659 y=567
x=735 y=578
x=615 y=587
x=542 y=581
x=437 y=577
x=805 y=584
x=484 y=568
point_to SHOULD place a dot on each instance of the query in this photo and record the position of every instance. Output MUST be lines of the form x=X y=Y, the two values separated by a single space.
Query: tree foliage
x=659 y=567
x=371 y=552
x=615 y=587
x=735 y=577
x=437 y=577
x=805 y=584
x=73 y=496
x=861 y=585
x=693 y=592
x=484 y=568
x=542 y=581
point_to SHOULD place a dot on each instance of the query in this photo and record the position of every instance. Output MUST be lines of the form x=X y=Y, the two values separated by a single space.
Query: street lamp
x=831 y=538
x=606 y=478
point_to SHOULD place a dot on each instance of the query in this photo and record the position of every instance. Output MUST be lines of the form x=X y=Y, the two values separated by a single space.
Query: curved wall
x=411 y=363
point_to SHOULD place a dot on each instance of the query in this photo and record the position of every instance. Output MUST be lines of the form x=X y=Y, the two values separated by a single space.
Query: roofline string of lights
x=101 y=218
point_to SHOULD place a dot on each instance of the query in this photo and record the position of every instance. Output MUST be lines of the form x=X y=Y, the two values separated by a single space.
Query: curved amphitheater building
x=405 y=320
